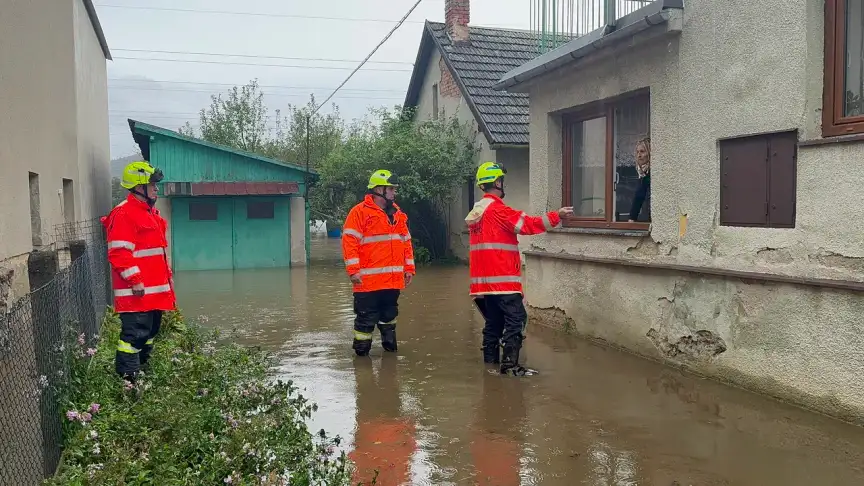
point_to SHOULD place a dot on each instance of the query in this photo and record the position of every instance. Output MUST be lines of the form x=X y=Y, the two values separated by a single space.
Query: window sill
x=858 y=137
x=601 y=232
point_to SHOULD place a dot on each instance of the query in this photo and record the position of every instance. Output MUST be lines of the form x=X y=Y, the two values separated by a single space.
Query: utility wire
x=358 y=96
x=367 y=57
x=253 y=64
x=256 y=56
x=254 y=14
x=237 y=84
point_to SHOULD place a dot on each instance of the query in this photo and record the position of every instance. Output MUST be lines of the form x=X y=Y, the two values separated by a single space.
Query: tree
x=239 y=120
x=432 y=159
x=118 y=193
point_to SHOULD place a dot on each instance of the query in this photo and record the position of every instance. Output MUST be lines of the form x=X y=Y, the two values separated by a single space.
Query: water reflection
x=433 y=415
x=384 y=439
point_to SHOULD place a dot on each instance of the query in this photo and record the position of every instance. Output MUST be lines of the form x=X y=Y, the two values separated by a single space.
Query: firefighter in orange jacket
x=141 y=278
x=496 y=267
x=379 y=260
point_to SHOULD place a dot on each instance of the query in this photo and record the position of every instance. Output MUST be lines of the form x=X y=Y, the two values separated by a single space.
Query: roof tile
x=491 y=54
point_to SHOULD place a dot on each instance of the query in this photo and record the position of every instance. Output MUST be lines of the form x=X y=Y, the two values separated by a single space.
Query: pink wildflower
x=72 y=415
x=94 y=407
x=128 y=385
x=86 y=417
x=81 y=339
x=91 y=352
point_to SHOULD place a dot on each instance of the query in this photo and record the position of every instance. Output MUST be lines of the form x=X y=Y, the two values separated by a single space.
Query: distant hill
x=118 y=164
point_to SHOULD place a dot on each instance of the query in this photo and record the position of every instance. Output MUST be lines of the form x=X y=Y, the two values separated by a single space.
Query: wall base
x=797 y=343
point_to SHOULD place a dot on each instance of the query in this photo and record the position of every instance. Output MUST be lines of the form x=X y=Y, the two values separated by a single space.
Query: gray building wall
x=516 y=159
x=729 y=73
x=53 y=123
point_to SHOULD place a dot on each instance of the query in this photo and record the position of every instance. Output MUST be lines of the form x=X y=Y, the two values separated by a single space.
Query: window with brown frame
x=600 y=176
x=843 y=110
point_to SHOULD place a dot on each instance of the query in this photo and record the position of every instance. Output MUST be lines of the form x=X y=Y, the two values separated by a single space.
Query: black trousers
x=505 y=317
x=377 y=308
x=137 y=331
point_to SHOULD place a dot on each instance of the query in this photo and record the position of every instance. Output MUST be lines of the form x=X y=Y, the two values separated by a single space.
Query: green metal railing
x=556 y=22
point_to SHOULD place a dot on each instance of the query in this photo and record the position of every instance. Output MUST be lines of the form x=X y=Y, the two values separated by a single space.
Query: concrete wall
x=516 y=159
x=729 y=73
x=298 y=231
x=91 y=88
x=44 y=98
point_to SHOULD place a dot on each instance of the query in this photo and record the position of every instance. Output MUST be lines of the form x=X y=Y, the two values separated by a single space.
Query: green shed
x=226 y=208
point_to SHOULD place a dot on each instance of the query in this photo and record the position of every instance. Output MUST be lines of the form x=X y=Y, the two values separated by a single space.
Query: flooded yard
x=434 y=414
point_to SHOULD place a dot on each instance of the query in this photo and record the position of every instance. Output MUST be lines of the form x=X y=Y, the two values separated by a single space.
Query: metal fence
x=556 y=22
x=70 y=289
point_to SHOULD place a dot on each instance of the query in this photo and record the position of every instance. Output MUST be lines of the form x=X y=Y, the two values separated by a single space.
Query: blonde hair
x=646 y=141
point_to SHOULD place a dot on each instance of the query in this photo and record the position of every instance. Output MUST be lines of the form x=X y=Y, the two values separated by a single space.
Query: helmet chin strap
x=387 y=202
x=150 y=201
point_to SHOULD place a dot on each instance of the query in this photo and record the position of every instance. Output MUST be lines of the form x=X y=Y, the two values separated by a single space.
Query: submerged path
x=433 y=414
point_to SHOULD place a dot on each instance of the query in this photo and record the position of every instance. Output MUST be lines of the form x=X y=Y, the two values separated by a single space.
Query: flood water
x=433 y=415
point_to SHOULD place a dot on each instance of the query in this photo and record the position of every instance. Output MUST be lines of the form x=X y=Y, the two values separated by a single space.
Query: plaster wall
x=298 y=231
x=727 y=73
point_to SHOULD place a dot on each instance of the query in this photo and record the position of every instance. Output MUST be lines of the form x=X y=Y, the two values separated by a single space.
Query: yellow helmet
x=382 y=178
x=139 y=173
x=489 y=172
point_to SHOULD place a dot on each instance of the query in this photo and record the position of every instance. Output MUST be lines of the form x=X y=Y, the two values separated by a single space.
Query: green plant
x=422 y=255
x=202 y=414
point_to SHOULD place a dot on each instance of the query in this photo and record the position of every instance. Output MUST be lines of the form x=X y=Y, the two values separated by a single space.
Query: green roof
x=141 y=133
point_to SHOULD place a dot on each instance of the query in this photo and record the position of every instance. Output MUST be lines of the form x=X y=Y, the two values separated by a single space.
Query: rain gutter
x=657 y=13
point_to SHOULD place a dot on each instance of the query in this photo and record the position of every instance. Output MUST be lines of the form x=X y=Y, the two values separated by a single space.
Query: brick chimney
x=457 y=14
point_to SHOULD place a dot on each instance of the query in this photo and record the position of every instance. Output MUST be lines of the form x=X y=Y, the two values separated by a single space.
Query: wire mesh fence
x=70 y=289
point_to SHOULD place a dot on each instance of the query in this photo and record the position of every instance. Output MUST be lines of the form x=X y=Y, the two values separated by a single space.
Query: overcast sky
x=168 y=94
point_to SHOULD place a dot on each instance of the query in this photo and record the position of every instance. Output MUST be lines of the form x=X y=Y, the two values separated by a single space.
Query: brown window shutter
x=744 y=181
x=782 y=180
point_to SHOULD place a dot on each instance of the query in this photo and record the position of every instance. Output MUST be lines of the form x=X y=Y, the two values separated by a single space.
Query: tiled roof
x=477 y=67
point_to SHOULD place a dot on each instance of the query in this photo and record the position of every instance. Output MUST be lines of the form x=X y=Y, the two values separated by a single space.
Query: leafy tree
x=431 y=158
x=239 y=120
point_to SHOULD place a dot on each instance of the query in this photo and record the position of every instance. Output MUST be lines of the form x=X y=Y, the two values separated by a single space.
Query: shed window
x=202 y=211
x=260 y=210
x=600 y=175
x=757 y=176
x=843 y=110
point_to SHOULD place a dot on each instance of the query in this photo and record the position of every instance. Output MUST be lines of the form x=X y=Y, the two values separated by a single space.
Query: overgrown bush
x=203 y=414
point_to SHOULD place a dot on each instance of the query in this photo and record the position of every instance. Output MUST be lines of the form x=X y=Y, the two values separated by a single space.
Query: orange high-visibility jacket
x=376 y=249
x=494 y=262
x=137 y=253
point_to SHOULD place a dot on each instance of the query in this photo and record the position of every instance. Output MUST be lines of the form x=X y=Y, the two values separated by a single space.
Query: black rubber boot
x=362 y=346
x=388 y=337
x=510 y=362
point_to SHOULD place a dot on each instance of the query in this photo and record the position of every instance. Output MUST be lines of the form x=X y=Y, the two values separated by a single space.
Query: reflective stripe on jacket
x=494 y=261
x=378 y=250
x=137 y=253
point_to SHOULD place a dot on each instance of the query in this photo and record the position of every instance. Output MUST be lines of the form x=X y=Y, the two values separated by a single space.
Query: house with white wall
x=748 y=266
x=456 y=68
x=54 y=148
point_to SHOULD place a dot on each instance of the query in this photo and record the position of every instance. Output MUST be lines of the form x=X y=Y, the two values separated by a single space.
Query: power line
x=252 y=64
x=367 y=58
x=254 y=14
x=269 y=95
x=256 y=56
x=260 y=85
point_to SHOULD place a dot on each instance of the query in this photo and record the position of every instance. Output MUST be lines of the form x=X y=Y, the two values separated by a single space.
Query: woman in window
x=643 y=168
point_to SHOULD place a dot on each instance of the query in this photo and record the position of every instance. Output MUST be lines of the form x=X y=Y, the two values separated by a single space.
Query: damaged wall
x=727 y=74
x=798 y=343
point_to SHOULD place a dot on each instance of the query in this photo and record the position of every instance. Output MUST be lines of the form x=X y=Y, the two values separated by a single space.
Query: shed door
x=262 y=232
x=201 y=233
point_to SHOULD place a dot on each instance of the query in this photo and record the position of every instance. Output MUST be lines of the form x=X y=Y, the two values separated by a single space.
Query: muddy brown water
x=434 y=415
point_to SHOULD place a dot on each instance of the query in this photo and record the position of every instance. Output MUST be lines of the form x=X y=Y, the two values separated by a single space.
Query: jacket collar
x=493 y=197
x=136 y=203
